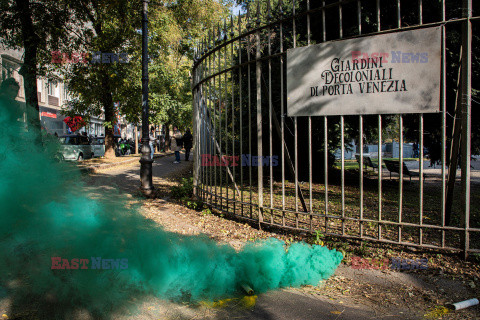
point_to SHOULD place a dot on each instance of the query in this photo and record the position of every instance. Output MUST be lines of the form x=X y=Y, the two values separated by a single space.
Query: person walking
x=176 y=142
x=187 y=143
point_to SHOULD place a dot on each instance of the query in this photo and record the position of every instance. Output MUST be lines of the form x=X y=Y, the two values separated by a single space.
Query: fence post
x=259 y=120
x=466 y=119
x=195 y=132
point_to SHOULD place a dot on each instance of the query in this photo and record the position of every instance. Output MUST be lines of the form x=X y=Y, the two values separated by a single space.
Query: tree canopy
x=113 y=26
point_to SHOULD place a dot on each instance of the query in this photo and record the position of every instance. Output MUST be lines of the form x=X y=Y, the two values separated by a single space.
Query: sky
x=236 y=10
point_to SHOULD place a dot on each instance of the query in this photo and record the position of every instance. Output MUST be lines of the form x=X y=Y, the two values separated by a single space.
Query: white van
x=98 y=146
x=75 y=147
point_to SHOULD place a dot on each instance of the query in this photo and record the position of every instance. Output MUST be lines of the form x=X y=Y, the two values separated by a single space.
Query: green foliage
x=371 y=225
x=185 y=189
x=206 y=212
x=112 y=26
x=174 y=27
x=49 y=19
x=195 y=205
x=95 y=85
x=363 y=250
x=318 y=238
x=189 y=202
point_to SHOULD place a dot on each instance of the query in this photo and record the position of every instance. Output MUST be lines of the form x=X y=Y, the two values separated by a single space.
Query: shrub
x=185 y=189
x=194 y=204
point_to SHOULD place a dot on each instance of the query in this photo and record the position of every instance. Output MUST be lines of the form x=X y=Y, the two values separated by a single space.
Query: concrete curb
x=99 y=167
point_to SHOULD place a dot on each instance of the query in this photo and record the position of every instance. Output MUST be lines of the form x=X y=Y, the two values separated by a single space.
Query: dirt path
x=349 y=294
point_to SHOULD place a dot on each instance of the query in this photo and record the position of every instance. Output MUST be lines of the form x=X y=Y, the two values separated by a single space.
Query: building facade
x=52 y=96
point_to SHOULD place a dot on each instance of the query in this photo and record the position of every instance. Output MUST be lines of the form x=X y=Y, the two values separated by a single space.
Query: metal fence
x=254 y=162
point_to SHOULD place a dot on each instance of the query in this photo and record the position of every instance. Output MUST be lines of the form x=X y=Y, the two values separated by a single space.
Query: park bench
x=393 y=166
x=367 y=162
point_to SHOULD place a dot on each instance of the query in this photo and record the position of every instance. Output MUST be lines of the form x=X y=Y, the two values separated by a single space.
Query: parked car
x=98 y=146
x=75 y=147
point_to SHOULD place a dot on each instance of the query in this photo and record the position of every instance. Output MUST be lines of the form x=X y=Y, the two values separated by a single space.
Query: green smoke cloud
x=45 y=213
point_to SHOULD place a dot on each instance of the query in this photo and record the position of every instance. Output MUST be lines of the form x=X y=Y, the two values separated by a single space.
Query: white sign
x=391 y=73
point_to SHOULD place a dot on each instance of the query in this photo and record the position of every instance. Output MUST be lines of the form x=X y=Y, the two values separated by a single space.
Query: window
x=65 y=92
x=51 y=86
x=68 y=140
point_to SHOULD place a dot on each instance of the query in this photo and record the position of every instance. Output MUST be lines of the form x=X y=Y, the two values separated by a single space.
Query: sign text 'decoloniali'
x=390 y=73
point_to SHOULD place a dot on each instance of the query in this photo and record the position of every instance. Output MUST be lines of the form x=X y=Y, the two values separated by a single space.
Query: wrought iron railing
x=239 y=91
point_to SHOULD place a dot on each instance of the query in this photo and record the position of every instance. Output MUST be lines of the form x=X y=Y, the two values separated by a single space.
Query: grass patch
x=353 y=164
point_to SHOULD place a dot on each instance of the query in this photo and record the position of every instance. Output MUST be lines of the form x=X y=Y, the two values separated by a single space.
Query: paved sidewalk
x=436 y=171
x=99 y=164
x=126 y=177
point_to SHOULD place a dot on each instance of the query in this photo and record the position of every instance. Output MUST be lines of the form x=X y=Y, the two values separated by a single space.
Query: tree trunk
x=107 y=98
x=107 y=102
x=29 y=68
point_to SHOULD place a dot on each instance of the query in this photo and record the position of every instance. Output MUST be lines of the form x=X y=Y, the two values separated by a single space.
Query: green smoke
x=46 y=213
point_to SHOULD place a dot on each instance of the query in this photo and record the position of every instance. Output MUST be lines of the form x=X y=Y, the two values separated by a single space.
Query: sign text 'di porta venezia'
x=390 y=73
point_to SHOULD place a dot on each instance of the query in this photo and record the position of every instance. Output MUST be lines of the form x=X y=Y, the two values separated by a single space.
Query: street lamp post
x=145 y=160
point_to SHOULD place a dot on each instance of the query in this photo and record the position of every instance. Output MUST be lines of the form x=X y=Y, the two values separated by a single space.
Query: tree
x=174 y=27
x=101 y=28
x=36 y=27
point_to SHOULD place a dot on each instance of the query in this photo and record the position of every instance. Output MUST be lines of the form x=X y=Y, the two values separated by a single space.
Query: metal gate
x=254 y=162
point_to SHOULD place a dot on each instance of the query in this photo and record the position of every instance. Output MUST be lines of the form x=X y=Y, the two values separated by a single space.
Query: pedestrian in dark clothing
x=187 y=143
x=415 y=150
x=9 y=106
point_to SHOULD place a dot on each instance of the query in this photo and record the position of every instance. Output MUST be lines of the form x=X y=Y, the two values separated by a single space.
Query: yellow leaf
x=336 y=312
